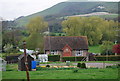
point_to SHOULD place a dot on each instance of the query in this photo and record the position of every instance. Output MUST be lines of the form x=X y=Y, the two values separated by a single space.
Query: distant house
x=66 y=45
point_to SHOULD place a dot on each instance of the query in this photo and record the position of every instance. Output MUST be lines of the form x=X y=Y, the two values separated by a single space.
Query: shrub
x=116 y=48
x=109 y=58
x=114 y=66
x=72 y=58
x=118 y=65
x=79 y=65
x=47 y=66
x=83 y=65
x=54 y=58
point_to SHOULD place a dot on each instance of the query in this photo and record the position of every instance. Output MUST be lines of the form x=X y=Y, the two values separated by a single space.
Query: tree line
x=95 y=28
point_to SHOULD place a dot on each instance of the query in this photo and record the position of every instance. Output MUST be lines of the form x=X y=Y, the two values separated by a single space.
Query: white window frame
x=54 y=52
x=79 y=53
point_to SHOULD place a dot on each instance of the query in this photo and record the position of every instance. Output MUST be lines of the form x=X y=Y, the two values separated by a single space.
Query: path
x=99 y=65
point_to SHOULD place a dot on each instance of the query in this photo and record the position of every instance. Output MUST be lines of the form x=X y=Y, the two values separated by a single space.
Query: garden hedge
x=109 y=58
x=98 y=58
x=53 y=58
x=72 y=58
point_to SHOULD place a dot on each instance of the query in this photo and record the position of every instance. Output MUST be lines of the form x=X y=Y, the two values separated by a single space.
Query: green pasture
x=64 y=74
x=94 y=49
x=91 y=73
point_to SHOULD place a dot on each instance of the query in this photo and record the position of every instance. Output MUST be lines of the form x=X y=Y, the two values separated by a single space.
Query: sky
x=12 y=9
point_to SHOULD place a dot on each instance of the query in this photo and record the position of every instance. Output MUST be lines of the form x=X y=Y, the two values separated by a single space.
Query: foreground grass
x=108 y=73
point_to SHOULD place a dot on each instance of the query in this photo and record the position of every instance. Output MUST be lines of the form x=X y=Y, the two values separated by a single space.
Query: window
x=66 y=50
x=53 y=52
x=79 y=53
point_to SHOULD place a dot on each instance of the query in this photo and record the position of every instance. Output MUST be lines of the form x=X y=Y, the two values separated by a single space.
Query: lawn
x=64 y=74
x=92 y=73
x=94 y=49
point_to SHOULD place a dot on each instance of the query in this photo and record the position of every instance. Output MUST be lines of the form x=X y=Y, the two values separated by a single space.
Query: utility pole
x=25 y=61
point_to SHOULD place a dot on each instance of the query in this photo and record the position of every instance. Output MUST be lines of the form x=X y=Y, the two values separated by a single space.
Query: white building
x=43 y=57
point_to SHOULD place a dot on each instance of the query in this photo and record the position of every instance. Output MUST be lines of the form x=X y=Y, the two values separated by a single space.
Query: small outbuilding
x=21 y=62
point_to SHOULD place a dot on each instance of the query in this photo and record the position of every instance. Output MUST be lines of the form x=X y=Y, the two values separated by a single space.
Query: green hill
x=71 y=8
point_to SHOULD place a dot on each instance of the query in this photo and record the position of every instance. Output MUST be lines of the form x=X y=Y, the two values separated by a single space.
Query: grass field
x=64 y=74
x=94 y=49
x=92 y=73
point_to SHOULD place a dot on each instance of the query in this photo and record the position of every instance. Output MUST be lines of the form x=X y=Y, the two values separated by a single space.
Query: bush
x=116 y=48
x=47 y=66
x=118 y=65
x=72 y=58
x=53 y=58
x=109 y=58
x=98 y=58
x=114 y=66
x=83 y=65
x=79 y=65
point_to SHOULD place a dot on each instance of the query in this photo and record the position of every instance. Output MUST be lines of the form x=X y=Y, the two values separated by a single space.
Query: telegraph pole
x=25 y=61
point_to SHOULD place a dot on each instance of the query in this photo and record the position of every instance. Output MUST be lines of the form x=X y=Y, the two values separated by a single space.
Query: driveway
x=98 y=65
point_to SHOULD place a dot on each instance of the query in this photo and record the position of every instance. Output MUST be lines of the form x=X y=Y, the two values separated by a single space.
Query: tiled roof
x=58 y=42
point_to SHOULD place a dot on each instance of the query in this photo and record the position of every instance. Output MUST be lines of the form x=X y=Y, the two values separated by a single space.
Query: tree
x=36 y=27
x=109 y=30
x=12 y=37
x=95 y=28
x=10 y=34
x=116 y=48
x=71 y=26
x=106 y=47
